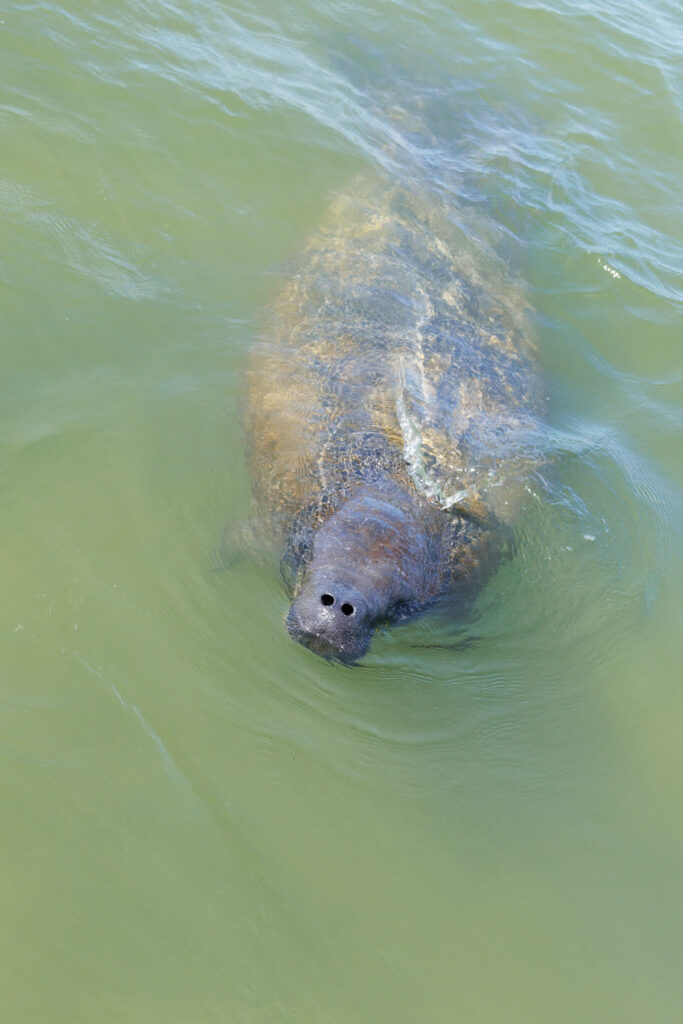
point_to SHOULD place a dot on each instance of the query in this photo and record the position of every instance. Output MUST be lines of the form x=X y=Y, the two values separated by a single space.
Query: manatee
x=393 y=414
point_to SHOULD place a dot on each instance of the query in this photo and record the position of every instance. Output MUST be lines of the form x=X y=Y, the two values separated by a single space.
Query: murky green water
x=200 y=820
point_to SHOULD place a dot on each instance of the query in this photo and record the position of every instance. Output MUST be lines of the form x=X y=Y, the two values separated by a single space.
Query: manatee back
x=400 y=345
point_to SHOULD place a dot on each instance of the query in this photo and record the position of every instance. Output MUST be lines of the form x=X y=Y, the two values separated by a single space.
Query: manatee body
x=392 y=415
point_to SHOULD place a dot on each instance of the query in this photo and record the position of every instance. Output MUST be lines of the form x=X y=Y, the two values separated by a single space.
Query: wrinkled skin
x=374 y=560
x=391 y=417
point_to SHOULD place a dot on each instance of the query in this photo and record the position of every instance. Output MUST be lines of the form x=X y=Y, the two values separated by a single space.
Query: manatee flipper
x=239 y=541
x=479 y=542
x=472 y=507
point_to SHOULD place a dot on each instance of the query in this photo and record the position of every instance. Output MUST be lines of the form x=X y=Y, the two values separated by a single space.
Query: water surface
x=201 y=820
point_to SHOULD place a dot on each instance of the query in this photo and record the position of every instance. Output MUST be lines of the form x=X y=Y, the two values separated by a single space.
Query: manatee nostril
x=347 y=608
x=327 y=600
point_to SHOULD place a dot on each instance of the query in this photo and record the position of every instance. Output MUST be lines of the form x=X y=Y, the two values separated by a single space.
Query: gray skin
x=392 y=416
x=373 y=560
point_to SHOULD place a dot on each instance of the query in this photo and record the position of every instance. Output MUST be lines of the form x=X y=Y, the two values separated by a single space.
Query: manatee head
x=373 y=561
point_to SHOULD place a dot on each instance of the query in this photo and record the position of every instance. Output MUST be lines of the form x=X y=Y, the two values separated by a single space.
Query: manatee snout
x=332 y=619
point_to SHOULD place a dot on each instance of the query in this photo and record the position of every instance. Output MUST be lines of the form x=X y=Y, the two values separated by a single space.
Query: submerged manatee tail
x=433 y=124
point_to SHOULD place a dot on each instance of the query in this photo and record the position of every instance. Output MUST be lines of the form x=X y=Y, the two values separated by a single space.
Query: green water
x=201 y=821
